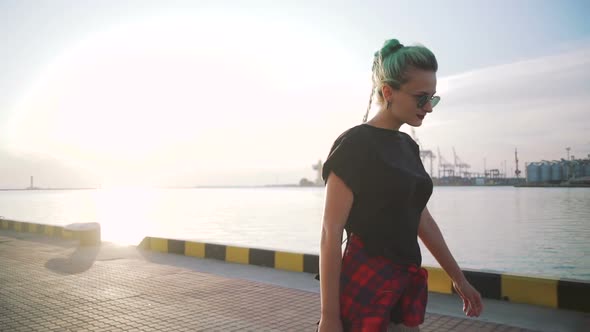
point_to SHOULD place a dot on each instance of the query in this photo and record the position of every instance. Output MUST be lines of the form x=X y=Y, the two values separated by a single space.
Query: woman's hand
x=330 y=325
x=472 y=305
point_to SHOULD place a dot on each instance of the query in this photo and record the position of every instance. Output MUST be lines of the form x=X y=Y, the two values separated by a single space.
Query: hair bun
x=389 y=47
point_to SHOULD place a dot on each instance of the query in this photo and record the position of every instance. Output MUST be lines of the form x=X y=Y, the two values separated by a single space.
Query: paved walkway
x=54 y=286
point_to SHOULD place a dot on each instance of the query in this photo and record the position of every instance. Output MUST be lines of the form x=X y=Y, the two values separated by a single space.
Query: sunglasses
x=423 y=99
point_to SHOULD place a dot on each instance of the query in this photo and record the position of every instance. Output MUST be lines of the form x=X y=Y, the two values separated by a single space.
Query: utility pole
x=568 y=152
x=517 y=172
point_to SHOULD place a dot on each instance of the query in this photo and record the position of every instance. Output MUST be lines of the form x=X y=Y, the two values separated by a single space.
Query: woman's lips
x=421 y=117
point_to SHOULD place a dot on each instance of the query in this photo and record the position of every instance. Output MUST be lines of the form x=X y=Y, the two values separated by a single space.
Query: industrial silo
x=556 y=172
x=533 y=172
x=577 y=169
x=545 y=172
x=587 y=168
x=566 y=169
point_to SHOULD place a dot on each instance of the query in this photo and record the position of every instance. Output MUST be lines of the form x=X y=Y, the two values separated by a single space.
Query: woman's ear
x=387 y=93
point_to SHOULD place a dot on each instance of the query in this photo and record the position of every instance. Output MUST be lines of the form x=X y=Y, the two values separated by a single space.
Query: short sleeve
x=347 y=159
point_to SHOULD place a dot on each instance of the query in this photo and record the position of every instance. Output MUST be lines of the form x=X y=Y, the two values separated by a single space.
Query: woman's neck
x=384 y=119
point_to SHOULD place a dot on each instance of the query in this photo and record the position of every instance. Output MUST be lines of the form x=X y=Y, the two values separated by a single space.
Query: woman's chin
x=415 y=123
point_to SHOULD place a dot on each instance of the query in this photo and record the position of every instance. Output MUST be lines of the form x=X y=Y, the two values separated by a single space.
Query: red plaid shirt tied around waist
x=374 y=291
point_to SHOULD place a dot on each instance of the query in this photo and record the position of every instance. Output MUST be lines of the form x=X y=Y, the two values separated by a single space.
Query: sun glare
x=126 y=100
x=124 y=213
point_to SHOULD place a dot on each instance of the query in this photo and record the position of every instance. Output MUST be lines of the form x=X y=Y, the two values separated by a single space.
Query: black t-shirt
x=383 y=169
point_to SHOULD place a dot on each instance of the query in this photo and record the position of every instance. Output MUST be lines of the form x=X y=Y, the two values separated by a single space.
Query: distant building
x=555 y=172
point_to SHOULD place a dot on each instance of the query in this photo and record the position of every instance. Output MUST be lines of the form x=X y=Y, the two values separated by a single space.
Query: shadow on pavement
x=79 y=261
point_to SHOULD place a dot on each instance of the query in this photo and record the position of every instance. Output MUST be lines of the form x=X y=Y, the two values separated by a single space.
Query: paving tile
x=47 y=287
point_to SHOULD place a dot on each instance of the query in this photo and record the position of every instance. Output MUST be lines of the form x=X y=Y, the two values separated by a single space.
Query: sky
x=184 y=93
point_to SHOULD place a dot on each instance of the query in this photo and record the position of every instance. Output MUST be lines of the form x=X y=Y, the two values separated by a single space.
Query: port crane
x=462 y=166
x=424 y=153
x=517 y=171
x=448 y=169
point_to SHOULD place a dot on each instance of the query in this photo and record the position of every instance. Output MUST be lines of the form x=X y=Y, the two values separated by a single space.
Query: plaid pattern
x=375 y=291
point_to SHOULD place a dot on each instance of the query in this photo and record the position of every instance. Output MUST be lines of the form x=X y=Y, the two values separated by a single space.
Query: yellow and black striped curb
x=85 y=237
x=27 y=227
x=275 y=259
x=554 y=293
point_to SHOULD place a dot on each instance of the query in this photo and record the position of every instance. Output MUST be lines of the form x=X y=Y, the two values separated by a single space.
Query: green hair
x=391 y=63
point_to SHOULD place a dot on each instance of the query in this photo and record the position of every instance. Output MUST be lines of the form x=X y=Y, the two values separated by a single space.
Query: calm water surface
x=531 y=231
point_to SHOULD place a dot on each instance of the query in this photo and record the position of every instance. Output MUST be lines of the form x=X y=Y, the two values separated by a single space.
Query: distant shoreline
x=300 y=186
x=165 y=187
x=38 y=189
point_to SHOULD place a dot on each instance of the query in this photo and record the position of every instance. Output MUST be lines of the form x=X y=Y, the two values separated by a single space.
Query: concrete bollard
x=87 y=233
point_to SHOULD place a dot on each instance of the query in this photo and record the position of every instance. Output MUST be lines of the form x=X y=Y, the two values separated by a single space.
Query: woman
x=377 y=190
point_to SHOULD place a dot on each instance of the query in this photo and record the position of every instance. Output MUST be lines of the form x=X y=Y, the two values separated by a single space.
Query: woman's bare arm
x=431 y=236
x=337 y=206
